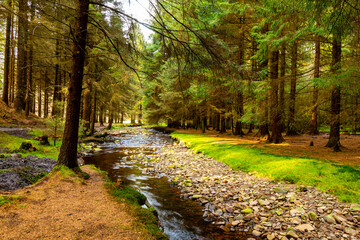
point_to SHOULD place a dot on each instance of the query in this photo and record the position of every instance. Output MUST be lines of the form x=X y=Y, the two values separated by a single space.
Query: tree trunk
x=240 y=113
x=57 y=83
x=314 y=109
x=204 y=124
x=30 y=87
x=276 y=136
x=22 y=56
x=87 y=107
x=223 y=123
x=93 y=113
x=101 y=116
x=291 y=129
x=68 y=150
x=39 y=98
x=12 y=66
x=46 y=95
x=122 y=118
x=282 y=62
x=5 y=96
x=334 y=139
x=111 y=119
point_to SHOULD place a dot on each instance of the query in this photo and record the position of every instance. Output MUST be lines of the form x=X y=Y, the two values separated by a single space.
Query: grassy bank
x=12 y=144
x=340 y=180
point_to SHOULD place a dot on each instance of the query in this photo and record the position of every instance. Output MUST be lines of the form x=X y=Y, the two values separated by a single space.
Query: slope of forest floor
x=295 y=146
x=63 y=206
x=10 y=118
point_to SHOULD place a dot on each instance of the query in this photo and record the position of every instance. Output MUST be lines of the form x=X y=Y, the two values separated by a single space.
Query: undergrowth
x=135 y=199
x=342 y=181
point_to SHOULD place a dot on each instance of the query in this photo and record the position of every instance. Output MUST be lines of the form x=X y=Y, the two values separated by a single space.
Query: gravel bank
x=237 y=201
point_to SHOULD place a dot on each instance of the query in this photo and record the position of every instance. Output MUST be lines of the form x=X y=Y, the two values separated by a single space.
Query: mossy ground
x=342 y=181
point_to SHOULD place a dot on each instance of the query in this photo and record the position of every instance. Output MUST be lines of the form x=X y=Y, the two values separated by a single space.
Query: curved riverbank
x=237 y=201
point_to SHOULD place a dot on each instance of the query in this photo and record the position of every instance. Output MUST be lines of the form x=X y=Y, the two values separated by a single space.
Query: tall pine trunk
x=334 y=139
x=282 y=63
x=291 y=129
x=5 y=96
x=314 y=109
x=276 y=136
x=68 y=150
x=21 y=79
x=93 y=113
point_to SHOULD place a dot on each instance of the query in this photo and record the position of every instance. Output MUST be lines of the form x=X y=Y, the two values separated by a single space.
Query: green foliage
x=339 y=180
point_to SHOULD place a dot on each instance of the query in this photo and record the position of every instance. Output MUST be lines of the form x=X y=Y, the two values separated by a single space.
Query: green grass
x=340 y=180
x=13 y=143
x=135 y=199
x=9 y=199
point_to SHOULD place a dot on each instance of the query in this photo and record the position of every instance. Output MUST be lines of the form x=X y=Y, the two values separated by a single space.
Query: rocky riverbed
x=18 y=172
x=237 y=201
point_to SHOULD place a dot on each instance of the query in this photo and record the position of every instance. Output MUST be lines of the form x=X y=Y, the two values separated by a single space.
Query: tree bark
x=87 y=107
x=57 y=83
x=282 y=62
x=111 y=119
x=68 y=150
x=29 y=86
x=291 y=129
x=39 y=98
x=314 y=110
x=5 y=96
x=93 y=113
x=276 y=136
x=46 y=95
x=223 y=123
x=334 y=139
x=101 y=116
x=22 y=56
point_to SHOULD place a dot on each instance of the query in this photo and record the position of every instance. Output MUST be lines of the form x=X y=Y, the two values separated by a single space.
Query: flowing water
x=181 y=218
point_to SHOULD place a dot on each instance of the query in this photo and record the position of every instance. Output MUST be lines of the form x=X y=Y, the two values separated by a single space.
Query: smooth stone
x=225 y=229
x=249 y=217
x=297 y=211
x=329 y=219
x=270 y=237
x=339 y=219
x=312 y=216
x=247 y=211
x=196 y=196
x=292 y=234
x=234 y=223
x=256 y=233
x=353 y=207
x=304 y=227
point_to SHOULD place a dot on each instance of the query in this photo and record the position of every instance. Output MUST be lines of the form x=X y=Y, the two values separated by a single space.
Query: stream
x=122 y=159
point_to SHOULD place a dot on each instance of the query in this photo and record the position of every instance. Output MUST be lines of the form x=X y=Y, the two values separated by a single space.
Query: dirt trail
x=298 y=146
x=63 y=208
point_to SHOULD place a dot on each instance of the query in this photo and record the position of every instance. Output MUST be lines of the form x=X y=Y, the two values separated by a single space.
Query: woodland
x=272 y=67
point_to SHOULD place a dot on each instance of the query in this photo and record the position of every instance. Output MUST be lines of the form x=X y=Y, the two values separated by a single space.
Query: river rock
x=304 y=227
x=329 y=219
x=247 y=211
x=256 y=233
x=312 y=216
x=292 y=234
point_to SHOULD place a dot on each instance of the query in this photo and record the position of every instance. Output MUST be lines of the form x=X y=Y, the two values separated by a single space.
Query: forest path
x=64 y=207
x=295 y=146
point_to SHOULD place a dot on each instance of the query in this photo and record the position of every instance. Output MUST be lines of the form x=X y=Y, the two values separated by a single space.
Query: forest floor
x=295 y=146
x=62 y=206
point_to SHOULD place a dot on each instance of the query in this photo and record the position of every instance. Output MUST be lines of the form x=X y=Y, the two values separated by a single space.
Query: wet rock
x=339 y=219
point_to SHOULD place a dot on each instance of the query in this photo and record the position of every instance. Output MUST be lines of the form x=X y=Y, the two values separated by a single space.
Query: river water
x=181 y=218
